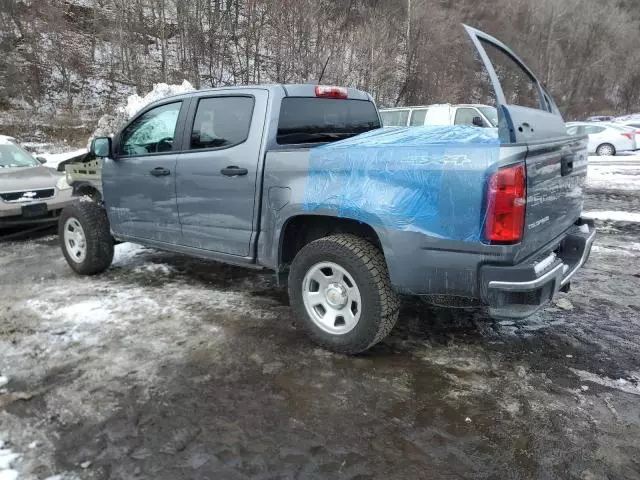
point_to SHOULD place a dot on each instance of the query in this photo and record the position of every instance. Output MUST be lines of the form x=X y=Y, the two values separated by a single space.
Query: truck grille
x=27 y=195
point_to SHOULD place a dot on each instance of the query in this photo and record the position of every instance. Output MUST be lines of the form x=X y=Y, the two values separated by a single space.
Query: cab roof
x=286 y=90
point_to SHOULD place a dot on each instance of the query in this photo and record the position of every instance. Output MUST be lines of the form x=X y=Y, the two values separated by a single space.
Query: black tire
x=99 y=242
x=366 y=264
x=600 y=151
x=93 y=194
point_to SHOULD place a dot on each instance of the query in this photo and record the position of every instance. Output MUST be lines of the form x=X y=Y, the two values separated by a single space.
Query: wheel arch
x=300 y=230
x=82 y=188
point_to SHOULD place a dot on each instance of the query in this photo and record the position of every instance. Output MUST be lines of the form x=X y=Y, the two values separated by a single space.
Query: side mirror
x=101 y=147
x=42 y=160
x=478 y=122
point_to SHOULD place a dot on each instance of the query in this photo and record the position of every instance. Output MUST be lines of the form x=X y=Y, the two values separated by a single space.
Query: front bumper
x=11 y=213
x=519 y=291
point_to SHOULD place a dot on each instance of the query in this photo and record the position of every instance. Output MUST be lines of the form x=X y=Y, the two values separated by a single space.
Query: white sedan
x=606 y=139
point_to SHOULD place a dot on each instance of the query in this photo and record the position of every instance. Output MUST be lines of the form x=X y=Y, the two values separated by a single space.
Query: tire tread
x=100 y=244
x=374 y=263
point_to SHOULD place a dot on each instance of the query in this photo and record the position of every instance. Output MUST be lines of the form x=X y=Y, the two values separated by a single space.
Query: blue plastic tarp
x=424 y=179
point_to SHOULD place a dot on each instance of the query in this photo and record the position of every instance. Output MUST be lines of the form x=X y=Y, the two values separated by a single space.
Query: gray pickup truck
x=301 y=180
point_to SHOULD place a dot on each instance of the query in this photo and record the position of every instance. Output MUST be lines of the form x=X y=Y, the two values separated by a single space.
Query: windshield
x=491 y=113
x=12 y=156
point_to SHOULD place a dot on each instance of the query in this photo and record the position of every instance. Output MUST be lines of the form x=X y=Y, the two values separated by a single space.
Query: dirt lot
x=169 y=368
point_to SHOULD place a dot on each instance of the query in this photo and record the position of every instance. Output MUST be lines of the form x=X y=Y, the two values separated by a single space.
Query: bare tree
x=75 y=57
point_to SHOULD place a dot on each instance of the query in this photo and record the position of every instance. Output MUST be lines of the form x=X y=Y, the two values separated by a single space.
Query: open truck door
x=532 y=131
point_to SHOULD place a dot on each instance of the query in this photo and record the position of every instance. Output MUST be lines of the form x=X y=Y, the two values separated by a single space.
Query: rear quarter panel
x=425 y=199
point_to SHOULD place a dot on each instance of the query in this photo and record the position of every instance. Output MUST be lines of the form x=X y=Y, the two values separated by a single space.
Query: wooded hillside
x=70 y=61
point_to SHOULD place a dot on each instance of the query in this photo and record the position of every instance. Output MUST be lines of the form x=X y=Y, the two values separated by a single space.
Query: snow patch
x=108 y=124
x=611 y=251
x=5 y=139
x=628 y=386
x=135 y=103
x=157 y=268
x=7 y=457
x=621 y=176
x=126 y=252
x=613 y=216
x=89 y=310
x=8 y=475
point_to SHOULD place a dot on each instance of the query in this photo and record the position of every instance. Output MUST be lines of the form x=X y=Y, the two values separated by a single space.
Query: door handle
x=160 y=172
x=233 y=171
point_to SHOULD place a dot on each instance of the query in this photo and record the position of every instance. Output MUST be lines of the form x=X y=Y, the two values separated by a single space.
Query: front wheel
x=340 y=290
x=85 y=238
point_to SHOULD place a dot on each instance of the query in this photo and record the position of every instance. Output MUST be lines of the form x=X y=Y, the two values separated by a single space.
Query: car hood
x=27 y=178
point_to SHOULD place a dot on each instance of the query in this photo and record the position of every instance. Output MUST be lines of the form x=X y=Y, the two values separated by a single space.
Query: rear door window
x=418 y=116
x=317 y=120
x=591 y=130
x=221 y=122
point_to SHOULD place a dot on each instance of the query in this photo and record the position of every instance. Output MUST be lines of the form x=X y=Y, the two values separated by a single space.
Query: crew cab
x=301 y=180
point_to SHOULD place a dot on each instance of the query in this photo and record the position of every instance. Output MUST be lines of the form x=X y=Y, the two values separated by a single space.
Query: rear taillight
x=628 y=135
x=506 y=203
x=331 y=92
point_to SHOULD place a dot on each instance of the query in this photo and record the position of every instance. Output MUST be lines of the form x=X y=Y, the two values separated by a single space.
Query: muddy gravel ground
x=171 y=368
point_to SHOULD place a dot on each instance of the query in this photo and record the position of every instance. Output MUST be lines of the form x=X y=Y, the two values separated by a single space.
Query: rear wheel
x=606 y=150
x=340 y=290
x=85 y=238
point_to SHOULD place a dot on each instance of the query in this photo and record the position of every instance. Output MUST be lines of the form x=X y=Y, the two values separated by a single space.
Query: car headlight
x=63 y=184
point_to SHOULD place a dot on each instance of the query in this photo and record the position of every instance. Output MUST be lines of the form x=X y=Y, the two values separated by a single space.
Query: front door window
x=152 y=132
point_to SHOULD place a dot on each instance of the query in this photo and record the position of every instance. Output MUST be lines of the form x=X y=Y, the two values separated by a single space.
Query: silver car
x=30 y=193
x=605 y=139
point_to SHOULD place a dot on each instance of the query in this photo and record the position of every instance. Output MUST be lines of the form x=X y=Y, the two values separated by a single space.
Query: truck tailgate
x=556 y=174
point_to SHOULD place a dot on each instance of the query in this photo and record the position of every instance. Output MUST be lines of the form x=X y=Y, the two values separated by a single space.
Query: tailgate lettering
x=542 y=221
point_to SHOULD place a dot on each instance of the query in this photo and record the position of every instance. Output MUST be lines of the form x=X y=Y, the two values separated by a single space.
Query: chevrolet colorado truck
x=301 y=180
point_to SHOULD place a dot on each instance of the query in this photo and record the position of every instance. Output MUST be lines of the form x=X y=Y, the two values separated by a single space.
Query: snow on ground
x=125 y=252
x=114 y=367
x=613 y=216
x=7 y=458
x=141 y=323
x=614 y=178
x=618 y=175
x=630 y=385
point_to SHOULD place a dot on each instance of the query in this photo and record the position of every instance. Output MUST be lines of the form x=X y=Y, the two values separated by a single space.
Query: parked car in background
x=635 y=124
x=605 y=139
x=629 y=129
x=444 y=114
x=600 y=118
x=30 y=193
